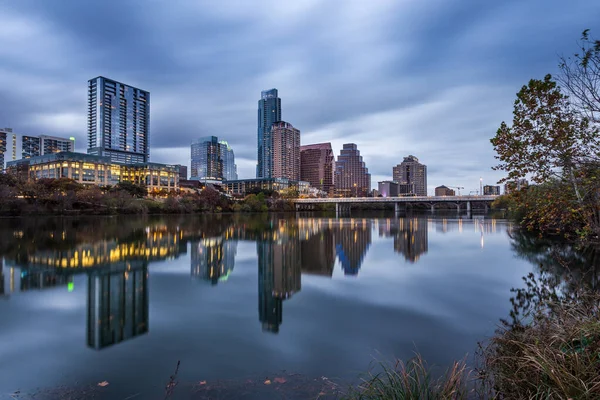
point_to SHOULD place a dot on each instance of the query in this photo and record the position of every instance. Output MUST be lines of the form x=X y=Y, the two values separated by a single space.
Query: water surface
x=122 y=299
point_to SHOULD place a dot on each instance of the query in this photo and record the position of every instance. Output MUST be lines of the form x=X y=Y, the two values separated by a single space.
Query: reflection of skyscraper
x=352 y=241
x=278 y=274
x=2 y=276
x=43 y=280
x=117 y=304
x=213 y=259
x=318 y=253
x=411 y=238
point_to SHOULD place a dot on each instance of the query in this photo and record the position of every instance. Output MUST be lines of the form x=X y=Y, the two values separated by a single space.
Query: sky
x=431 y=78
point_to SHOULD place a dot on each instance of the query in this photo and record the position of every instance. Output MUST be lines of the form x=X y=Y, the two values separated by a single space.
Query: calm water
x=122 y=299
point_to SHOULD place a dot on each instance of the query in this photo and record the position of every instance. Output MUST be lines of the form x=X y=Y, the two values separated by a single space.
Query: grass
x=412 y=380
x=556 y=356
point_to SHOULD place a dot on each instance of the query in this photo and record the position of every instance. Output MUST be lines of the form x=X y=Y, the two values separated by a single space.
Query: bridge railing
x=414 y=199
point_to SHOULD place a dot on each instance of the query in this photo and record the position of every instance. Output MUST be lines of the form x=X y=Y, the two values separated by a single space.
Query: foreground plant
x=412 y=380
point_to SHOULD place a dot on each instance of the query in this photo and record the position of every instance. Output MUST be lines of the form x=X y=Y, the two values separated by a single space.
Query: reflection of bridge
x=400 y=203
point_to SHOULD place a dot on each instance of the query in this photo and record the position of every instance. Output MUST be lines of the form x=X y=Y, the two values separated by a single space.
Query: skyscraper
x=352 y=178
x=118 y=121
x=317 y=165
x=229 y=166
x=212 y=159
x=285 y=151
x=269 y=111
x=8 y=146
x=412 y=172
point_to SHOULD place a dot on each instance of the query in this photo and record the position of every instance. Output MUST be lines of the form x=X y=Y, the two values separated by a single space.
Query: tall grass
x=557 y=356
x=411 y=380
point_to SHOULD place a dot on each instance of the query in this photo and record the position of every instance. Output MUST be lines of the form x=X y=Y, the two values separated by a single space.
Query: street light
x=480 y=186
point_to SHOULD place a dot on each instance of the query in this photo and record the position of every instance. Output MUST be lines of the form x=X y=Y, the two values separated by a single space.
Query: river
x=120 y=300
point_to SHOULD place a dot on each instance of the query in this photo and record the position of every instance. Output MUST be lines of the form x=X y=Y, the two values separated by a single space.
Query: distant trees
x=556 y=143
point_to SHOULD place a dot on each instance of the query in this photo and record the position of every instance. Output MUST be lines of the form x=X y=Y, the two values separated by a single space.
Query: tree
x=210 y=198
x=580 y=77
x=134 y=190
x=552 y=143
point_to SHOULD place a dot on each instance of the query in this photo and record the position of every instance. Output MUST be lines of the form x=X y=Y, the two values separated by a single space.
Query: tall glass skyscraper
x=118 y=121
x=269 y=111
x=212 y=159
x=352 y=178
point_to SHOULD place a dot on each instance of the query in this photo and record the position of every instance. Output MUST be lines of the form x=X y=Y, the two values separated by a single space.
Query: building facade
x=387 y=188
x=411 y=171
x=491 y=190
x=352 y=178
x=269 y=112
x=229 y=166
x=242 y=187
x=118 y=121
x=183 y=172
x=213 y=160
x=8 y=146
x=88 y=169
x=317 y=166
x=444 y=191
x=207 y=163
x=33 y=146
x=286 y=151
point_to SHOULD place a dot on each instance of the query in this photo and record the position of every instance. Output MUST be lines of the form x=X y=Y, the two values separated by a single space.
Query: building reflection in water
x=278 y=272
x=352 y=241
x=212 y=259
x=117 y=304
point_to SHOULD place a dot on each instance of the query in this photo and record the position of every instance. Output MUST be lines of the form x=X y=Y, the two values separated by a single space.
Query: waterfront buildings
x=212 y=160
x=269 y=112
x=352 y=178
x=183 y=172
x=212 y=259
x=411 y=172
x=8 y=146
x=317 y=166
x=118 y=121
x=444 y=191
x=285 y=150
x=33 y=146
x=387 y=188
x=491 y=190
x=241 y=187
x=91 y=169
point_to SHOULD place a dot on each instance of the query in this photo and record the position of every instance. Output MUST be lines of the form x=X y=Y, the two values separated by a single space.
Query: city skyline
x=441 y=100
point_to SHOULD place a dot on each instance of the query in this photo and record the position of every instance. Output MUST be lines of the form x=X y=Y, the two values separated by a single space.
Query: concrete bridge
x=343 y=204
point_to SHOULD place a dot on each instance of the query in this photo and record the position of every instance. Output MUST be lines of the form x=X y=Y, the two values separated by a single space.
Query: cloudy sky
x=433 y=78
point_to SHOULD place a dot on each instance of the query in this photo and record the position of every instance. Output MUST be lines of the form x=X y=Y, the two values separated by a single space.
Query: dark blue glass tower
x=269 y=111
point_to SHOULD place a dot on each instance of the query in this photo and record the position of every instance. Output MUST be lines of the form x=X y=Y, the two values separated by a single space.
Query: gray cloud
x=433 y=79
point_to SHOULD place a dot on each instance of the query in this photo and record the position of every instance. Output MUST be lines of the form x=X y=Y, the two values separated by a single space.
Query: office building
x=444 y=191
x=183 y=172
x=242 y=187
x=229 y=166
x=412 y=172
x=317 y=166
x=269 y=112
x=8 y=147
x=90 y=169
x=286 y=151
x=387 y=189
x=352 y=178
x=33 y=146
x=212 y=160
x=118 y=121
x=491 y=190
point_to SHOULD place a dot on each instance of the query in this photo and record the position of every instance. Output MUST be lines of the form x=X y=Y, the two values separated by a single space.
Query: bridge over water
x=400 y=203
